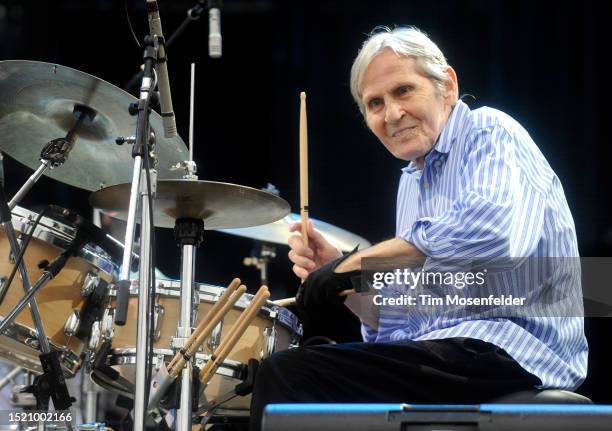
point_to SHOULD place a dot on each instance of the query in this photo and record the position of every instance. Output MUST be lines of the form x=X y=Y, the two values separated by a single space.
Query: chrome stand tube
x=184 y=412
x=27 y=286
x=28 y=184
x=142 y=333
x=128 y=242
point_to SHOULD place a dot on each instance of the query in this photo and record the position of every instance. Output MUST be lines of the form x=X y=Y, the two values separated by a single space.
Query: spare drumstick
x=165 y=377
x=185 y=355
x=304 y=168
x=210 y=316
x=241 y=325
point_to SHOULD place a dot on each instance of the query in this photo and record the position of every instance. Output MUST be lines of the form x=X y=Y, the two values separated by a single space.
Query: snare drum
x=60 y=301
x=274 y=329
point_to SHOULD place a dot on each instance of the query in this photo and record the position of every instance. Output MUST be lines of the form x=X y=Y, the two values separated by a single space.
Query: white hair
x=404 y=41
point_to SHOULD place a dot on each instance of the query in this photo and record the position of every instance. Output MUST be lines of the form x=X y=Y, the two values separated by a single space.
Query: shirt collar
x=449 y=133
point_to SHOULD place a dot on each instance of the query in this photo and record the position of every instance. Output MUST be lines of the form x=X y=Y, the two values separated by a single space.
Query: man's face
x=403 y=107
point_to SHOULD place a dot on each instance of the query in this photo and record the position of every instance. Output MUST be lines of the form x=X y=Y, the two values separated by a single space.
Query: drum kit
x=140 y=337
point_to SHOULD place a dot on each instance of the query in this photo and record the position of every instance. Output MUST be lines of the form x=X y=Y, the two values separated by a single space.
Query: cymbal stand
x=139 y=189
x=260 y=258
x=55 y=152
x=188 y=234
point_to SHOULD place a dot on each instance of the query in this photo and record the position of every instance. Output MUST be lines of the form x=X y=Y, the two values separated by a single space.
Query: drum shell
x=56 y=301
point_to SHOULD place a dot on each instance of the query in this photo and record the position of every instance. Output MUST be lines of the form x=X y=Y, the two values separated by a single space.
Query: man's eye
x=403 y=89
x=374 y=103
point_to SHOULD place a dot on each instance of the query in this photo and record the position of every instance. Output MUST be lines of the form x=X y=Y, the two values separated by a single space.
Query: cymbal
x=278 y=233
x=36 y=106
x=220 y=205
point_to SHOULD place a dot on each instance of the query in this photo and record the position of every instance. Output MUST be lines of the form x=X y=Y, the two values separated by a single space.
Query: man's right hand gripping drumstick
x=307 y=258
x=324 y=286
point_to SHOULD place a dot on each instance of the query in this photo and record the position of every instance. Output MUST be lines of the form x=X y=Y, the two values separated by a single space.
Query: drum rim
x=209 y=293
x=228 y=368
x=21 y=334
x=58 y=234
x=127 y=357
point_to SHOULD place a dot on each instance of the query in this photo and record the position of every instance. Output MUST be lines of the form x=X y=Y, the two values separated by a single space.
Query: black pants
x=455 y=370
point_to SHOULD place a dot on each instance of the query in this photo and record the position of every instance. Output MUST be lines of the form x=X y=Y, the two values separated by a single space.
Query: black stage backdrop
x=543 y=63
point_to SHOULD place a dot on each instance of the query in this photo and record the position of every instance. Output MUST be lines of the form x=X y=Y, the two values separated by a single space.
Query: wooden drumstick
x=236 y=332
x=247 y=315
x=196 y=341
x=286 y=302
x=243 y=322
x=211 y=315
x=303 y=168
x=217 y=359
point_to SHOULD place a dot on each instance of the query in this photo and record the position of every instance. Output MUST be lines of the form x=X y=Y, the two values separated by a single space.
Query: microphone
x=163 y=85
x=214 y=28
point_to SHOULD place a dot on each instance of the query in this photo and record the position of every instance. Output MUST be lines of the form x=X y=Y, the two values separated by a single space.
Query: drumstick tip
x=303 y=95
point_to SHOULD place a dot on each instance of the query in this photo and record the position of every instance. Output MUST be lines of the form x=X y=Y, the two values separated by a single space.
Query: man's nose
x=394 y=112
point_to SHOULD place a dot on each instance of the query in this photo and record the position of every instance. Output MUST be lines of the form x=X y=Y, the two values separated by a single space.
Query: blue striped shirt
x=486 y=190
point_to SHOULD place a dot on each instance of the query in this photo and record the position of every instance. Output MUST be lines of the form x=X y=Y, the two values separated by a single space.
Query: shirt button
x=426 y=185
x=437 y=164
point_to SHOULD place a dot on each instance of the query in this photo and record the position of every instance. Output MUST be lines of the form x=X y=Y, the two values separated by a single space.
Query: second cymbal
x=37 y=102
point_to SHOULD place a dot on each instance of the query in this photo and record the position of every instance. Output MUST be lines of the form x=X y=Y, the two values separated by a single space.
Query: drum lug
x=107 y=324
x=269 y=342
x=90 y=283
x=158 y=319
x=94 y=337
x=215 y=337
x=72 y=323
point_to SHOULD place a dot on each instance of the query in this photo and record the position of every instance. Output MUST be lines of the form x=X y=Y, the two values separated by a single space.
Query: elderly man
x=476 y=186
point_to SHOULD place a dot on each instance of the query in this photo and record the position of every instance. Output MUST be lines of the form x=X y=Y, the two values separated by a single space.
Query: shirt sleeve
x=497 y=212
x=368 y=333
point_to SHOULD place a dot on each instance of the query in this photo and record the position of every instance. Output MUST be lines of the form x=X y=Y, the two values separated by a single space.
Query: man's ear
x=451 y=86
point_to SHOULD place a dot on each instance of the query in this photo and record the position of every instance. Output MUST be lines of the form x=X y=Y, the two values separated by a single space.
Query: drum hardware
x=260 y=258
x=93 y=310
x=269 y=341
x=143 y=188
x=10 y=376
x=50 y=385
x=55 y=152
x=207 y=410
x=51 y=357
x=72 y=323
x=215 y=336
x=39 y=100
x=95 y=336
x=189 y=234
x=50 y=271
x=106 y=325
x=166 y=377
x=90 y=283
x=21 y=398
